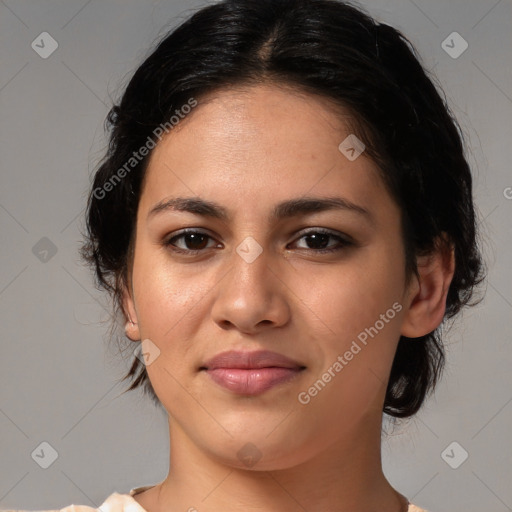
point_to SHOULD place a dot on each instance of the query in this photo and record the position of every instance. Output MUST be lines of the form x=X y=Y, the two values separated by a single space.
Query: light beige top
x=126 y=503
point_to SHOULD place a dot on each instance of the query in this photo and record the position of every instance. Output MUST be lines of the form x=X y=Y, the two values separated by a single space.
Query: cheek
x=353 y=296
x=169 y=307
x=359 y=306
x=360 y=314
x=166 y=292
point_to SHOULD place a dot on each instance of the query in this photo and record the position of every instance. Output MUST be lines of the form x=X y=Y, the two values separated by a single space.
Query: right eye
x=192 y=241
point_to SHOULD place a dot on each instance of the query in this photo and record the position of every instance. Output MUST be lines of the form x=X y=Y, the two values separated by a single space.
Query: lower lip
x=252 y=381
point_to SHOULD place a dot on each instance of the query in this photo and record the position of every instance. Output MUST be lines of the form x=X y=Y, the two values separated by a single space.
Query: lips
x=251 y=373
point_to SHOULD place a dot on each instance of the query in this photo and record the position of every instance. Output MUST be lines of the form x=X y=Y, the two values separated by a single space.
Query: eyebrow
x=286 y=209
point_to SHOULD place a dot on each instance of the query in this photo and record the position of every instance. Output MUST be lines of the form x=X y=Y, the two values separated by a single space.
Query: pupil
x=195 y=239
x=320 y=237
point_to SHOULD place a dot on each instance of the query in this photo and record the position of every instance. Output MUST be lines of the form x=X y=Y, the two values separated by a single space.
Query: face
x=307 y=261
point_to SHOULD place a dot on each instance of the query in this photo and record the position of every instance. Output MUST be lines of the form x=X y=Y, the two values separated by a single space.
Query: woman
x=284 y=218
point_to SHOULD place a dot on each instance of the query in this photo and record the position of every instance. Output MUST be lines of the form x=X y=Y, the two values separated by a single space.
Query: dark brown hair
x=332 y=49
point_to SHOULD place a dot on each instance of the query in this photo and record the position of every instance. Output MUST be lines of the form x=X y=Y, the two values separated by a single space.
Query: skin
x=248 y=149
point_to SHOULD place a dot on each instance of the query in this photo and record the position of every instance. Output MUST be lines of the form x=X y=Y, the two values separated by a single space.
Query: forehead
x=306 y=123
x=249 y=147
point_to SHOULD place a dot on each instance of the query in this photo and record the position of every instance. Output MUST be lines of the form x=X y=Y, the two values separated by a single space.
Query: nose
x=253 y=295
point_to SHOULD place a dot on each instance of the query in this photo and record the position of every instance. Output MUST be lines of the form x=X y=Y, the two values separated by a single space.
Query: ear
x=428 y=292
x=132 y=326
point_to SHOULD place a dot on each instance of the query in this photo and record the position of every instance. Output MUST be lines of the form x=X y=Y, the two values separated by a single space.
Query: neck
x=345 y=476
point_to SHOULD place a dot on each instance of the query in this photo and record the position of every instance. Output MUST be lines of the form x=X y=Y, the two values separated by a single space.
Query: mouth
x=251 y=373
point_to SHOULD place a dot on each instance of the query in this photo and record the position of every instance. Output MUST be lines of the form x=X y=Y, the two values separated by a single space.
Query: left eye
x=320 y=241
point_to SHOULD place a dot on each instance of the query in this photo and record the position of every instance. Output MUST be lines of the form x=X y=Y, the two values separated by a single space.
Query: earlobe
x=427 y=300
x=131 y=327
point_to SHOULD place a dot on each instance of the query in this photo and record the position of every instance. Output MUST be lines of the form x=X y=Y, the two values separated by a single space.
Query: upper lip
x=247 y=360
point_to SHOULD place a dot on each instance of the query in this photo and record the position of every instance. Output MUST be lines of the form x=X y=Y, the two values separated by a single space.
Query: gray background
x=58 y=381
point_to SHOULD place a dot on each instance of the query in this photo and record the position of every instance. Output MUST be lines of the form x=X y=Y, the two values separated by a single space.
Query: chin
x=261 y=453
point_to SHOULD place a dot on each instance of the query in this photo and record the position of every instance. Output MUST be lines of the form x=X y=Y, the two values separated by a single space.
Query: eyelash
x=342 y=241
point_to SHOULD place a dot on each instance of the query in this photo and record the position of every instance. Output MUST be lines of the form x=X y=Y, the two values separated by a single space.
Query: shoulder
x=69 y=508
x=116 y=502
x=125 y=503
x=414 y=508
